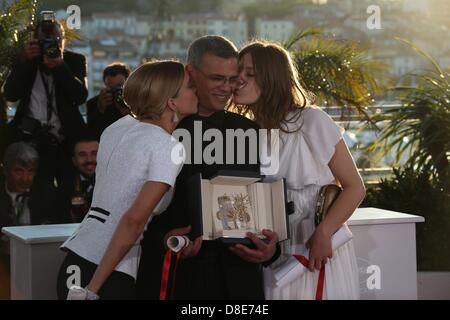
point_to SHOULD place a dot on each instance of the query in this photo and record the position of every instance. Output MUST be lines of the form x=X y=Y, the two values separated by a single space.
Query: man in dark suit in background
x=209 y=270
x=108 y=106
x=25 y=200
x=79 y=189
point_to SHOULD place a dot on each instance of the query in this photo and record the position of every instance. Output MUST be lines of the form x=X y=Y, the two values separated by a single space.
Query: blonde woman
x=312 y=154
x=134 y=181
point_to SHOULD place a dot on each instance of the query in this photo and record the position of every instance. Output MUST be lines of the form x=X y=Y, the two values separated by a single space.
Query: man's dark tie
x=21 y=197
x=21 y=204
x=86 y=183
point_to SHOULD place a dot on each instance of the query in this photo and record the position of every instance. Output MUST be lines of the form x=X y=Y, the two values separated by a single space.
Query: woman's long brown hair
x=278 y=79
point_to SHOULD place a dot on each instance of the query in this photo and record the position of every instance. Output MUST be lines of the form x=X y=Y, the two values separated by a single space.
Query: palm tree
x=16 y=20
x=337 y=72
x=421 y=125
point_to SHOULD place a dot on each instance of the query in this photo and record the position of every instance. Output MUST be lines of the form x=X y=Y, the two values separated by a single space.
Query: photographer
x=50 y=84
x=108 y=106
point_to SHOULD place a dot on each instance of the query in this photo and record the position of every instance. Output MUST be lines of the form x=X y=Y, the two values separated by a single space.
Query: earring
x=175 y=118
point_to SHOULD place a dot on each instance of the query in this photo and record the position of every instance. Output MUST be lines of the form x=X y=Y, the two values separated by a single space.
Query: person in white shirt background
x=312 y=154
x=135 y=176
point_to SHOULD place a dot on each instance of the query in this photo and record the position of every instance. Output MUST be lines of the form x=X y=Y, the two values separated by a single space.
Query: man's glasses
x=219 y=80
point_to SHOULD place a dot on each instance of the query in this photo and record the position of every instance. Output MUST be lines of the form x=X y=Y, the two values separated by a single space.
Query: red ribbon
x=175 y=273
x=320 y=282
x=166 y=273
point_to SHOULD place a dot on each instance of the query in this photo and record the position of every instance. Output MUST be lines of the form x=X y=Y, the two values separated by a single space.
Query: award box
x=233 y=203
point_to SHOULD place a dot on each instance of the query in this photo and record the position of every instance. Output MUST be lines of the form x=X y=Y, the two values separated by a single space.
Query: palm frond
x=336 y=72
x=423 y=53
x=15 y=24
x=16 y=20
x=295 y=37
x=422 y=122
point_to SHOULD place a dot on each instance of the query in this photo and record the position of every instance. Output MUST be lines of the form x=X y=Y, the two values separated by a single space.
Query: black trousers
x=215 y=273
x=119 y=285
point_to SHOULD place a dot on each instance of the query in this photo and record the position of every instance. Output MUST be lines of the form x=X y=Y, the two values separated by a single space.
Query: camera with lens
x=117 y=95
x=41 y=136
x=48 y=41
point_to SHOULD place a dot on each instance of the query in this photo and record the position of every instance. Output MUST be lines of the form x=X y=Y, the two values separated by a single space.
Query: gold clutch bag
x=327 y=195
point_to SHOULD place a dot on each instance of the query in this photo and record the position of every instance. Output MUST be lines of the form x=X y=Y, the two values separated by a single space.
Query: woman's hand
x=346 y=173
x=320 y=249
x=78 y=293
x=194 y=246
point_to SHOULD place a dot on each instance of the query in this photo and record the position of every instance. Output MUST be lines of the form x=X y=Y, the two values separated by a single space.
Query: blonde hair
x=278 y=79
x=148 y=89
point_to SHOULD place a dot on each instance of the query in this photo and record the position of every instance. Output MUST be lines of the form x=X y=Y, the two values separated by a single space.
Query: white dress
x=304 y=158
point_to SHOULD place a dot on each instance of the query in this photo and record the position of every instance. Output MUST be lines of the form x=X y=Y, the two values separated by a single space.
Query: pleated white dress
x=304 y=157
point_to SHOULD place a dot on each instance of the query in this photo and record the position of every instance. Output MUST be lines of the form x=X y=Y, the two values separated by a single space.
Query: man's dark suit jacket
x=44 y=204
x=215 y=273
x=70 y=91
x=97 y=122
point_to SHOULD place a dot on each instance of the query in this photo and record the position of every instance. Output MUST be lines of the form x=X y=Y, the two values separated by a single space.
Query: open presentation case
x=231 y=204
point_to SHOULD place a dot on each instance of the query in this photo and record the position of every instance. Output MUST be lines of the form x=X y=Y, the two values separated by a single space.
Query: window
x=99 y=54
